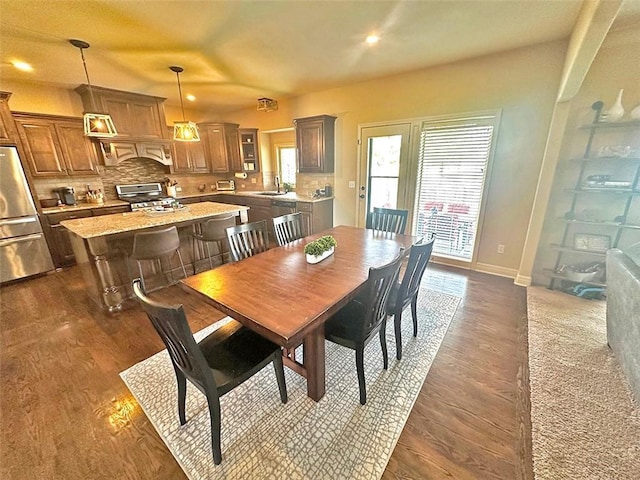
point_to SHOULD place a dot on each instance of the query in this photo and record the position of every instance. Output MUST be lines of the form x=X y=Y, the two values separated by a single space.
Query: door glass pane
x=452 y=165
x=384 y=192
x=385 y=156
x=384 y=171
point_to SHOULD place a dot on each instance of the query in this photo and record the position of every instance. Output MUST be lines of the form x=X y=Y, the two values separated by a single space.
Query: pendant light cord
x=86 y=72
x=180 y=93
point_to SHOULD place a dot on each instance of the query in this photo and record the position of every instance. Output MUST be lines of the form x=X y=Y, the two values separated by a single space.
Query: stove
x=144 y=195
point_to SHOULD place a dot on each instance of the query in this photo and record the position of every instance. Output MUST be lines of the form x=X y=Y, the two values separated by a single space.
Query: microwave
x=225 y=185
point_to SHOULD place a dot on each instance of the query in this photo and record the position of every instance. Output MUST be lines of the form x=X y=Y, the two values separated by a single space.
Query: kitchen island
x=102 y=245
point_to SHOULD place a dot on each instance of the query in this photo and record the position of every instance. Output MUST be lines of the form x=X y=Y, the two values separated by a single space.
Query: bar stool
x=213 y=231
x=156 y=245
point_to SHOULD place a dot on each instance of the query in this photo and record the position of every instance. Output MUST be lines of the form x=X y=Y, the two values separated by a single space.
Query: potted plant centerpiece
x=320 y=249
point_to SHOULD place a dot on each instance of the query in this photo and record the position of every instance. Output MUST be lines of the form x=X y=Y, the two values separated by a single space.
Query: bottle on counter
x=328 y=191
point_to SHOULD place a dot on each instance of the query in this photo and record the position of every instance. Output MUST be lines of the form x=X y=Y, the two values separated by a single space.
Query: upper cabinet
x=221 y=146
x=189 y=157
x=55 y=145
x=249 y=152
x=138 y=117
x=315 y=143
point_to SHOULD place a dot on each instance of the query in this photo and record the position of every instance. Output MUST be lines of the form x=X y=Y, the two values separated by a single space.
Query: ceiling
x=234 y=52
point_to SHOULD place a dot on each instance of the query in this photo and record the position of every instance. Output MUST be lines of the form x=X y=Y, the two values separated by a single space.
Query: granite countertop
x=84 y=206
x=91 y=227
x=293 y=196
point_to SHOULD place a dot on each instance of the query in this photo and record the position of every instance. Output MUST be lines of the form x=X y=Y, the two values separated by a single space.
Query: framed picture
x=592 y=243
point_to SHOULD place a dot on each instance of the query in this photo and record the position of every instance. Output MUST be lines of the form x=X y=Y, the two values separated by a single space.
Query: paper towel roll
x=241 y=175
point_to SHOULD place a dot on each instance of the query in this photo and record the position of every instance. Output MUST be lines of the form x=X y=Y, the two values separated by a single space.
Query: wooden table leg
x=314 y=358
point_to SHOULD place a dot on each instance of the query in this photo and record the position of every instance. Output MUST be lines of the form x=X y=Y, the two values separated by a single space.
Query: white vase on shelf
x=635 y=113
x=616 y=111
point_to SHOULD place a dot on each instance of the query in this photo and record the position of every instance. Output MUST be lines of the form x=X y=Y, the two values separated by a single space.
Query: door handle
x=17 y=221
x=361 y=195
x=28 y=238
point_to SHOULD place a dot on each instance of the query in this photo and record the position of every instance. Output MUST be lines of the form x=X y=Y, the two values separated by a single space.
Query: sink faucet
x=277 y=182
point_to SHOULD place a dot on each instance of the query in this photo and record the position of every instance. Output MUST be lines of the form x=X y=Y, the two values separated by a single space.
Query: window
x=287 y=165
x=452 y=163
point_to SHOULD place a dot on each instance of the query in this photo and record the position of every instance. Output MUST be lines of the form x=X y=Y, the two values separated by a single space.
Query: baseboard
x=495 y=270
x=523 y=280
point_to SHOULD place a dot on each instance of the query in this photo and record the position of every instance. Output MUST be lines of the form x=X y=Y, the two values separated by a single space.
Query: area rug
x=335 y=438
x=585 y=424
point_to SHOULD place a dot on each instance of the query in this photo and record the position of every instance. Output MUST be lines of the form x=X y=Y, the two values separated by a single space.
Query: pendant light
x=183 y=131
x=95 y=124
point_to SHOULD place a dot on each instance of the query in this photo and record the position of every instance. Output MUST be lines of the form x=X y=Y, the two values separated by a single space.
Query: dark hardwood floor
x=65 y=413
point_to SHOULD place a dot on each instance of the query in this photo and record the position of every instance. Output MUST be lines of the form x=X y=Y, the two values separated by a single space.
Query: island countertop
x=116 y=223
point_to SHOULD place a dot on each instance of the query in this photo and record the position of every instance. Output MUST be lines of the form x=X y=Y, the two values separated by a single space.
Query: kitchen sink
x=272 y=194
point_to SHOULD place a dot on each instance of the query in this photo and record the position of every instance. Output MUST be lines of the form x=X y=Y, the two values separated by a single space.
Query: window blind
x=453 y=157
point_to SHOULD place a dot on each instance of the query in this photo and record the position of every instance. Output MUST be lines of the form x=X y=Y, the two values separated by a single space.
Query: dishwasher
x=282 y=207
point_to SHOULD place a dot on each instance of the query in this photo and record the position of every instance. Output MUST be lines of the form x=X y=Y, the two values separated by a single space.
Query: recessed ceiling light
x=25 y=67
x=191 y=98
x=372 y=39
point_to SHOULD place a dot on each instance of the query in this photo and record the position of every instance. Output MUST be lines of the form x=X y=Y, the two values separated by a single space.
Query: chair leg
x=360 y=370
x=414 y=314
x=214 y=414
x=397 y=324
x=184 y=270
x=383 y=344
x=182 y=395
x=279 y=368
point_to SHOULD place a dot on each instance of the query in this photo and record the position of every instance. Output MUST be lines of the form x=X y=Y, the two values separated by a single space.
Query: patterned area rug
x=585 y=424
x=334 y=438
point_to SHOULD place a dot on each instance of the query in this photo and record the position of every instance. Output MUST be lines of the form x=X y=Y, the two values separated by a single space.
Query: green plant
x=319 y=246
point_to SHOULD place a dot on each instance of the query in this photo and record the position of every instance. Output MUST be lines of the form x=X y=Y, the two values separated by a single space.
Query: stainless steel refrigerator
x=23 y=248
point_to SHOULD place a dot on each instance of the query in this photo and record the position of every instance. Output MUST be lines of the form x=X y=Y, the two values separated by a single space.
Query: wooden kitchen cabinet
x=315 y=143
x=58 y=236
x=249 y=151
x=221 y=146
x=135 y=116
x=189 y=157
x=55 y=145
x=316 y=216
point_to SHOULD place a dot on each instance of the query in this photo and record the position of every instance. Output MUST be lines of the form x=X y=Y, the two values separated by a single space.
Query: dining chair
x=288 y=228
x=388 y=220
x=217 y=364
x=354 y=325
x=247 y=239
x=406 y=292
x=156 y=245
x=213 y=231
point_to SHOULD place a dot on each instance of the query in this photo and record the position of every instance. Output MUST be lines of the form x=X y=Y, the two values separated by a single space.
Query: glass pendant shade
x=95 y=124
x=185 y=132
x=99 y=125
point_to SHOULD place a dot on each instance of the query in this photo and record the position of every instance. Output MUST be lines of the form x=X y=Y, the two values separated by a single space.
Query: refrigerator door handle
x=26 y=238
x=17 y=221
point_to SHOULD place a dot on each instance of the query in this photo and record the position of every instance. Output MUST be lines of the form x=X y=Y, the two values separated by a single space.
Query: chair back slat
x=388 y=220
x=171 y=324
x=288 y=228
x=376 y=293
x=418 y=260
x=247 y=239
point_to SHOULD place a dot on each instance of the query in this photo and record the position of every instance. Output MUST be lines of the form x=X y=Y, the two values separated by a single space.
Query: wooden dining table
x=287 y=300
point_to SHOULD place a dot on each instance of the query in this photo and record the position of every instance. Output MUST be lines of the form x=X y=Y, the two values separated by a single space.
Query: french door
x=436 y=169
x=385 y=172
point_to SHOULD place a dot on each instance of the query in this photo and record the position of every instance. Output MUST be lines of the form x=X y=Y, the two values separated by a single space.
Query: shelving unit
x=249 y=149
x=605 y=206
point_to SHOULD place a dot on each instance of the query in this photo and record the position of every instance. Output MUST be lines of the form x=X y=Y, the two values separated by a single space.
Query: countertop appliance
x=144 y=195
x=67 y=195
x=225 y=185
x=23 y=248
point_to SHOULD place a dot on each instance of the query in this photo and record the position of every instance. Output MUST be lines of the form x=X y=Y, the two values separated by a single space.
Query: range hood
x=114 y=152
